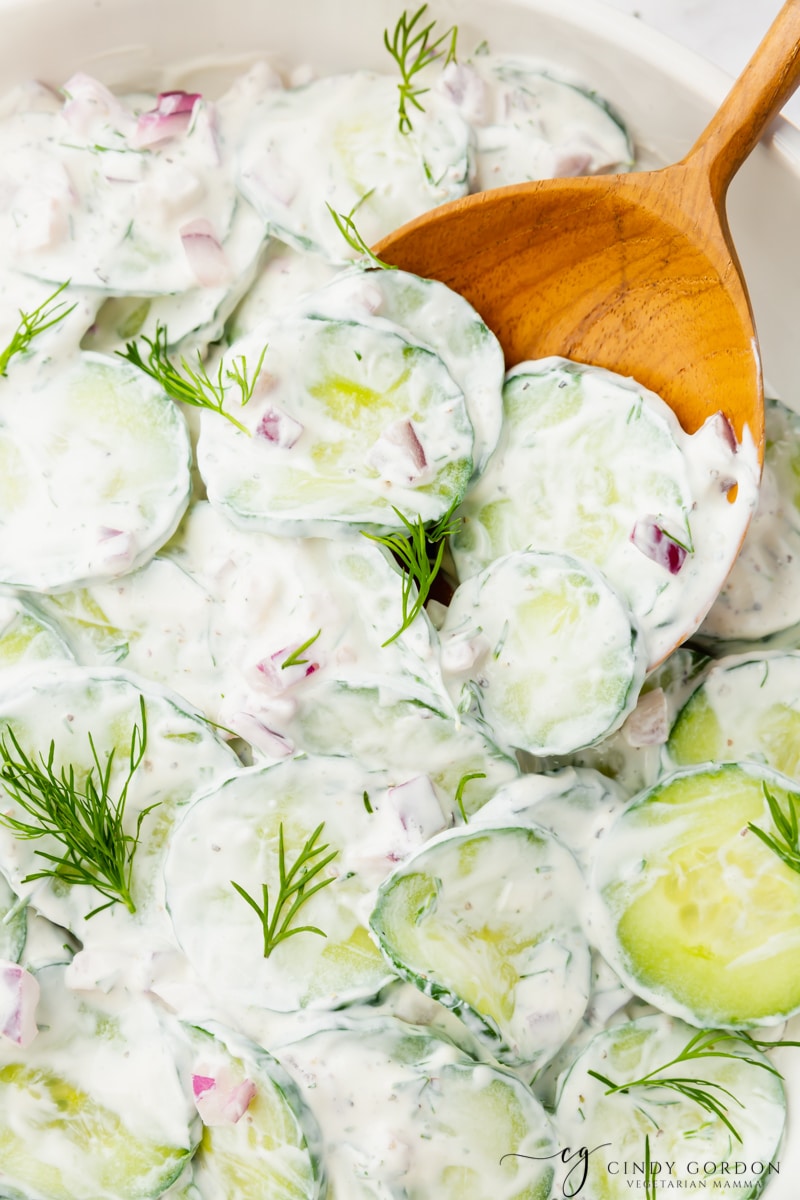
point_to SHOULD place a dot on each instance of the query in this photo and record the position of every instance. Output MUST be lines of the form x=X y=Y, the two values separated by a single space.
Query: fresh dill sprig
x=649 y=1172
x=419 y=553
x=84 y=819
x=411 y=48
x=194 y=386
x=49 y=313
x=346 y=225
x=293 y=660
x=787 y=843
x=462 y=783
x=293 y=891
x=706 y=1093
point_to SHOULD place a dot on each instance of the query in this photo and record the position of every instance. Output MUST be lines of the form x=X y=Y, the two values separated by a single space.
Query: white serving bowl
x=665 y=93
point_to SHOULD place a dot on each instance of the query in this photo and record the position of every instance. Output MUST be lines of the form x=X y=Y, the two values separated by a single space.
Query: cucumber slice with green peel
x=435 y=317
x=193 y=319
x=623 y=501
x=60 y=529
x=486 y=921
x=695 y=913
x=232 y=835
x=95 y=1106
x=325 y=608
x=64 y=707
x=157 y=201
x=746 y=707
x=274 y=1147
x=157 y=621
x=527 y=621
x=377 y=726
x=633 y=756
x=27 y=640
x=573 y=804
x=13 y=923
x=532 y=125
x=285 y=276
x=452 y=1128
x=372 y=422
x=760 y=596
x=689 y=1146
x=337 y=142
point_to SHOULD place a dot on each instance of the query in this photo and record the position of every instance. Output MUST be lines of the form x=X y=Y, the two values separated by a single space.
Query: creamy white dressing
x=760 y=597
x=638 y=486
x=165 y=210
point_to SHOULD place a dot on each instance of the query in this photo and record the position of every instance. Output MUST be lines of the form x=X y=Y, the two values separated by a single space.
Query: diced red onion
x=116 y=544
x=277 y=427
x=460 y=655
x=723 y=428
x=417 y=806
x=648 y=724
x=19 y=996
x=278 y=679
x=465 y=88
x=255 y=731
x=219 y=1101
x=573 y=162
x=170 y=118
x=398 y=454
x=655 y=543
x=204 y=253
x=89 y=100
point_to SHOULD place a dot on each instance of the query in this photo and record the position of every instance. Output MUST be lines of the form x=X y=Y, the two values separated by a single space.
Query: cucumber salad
x=365 y=831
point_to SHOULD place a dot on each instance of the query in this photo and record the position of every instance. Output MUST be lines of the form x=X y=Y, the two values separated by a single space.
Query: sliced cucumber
x=406 y=1116
x=694 y=911
x=377 y=726
x=370 y=422
x=633 y=756
x=744 y=708
x=573 y=805
x=64 y=707
x=530 y=125
x=285 y=276
x=153 y=199
x=689 y=1146
x=337 y=142
x=58 y=528
x=193 y=319
x=486 y=921
x=233 y=835
x=157 y=621
x=762 y=593
x=274 y=1149
x=341 y=600
x=435 y=317
x=590 y=464
x=95 y=1105
x=26 y=640
x=527 y=621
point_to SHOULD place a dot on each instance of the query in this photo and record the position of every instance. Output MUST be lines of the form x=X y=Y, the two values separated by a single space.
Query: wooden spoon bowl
x=633 y=272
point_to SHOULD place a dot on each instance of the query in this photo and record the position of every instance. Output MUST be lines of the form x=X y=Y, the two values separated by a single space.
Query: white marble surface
x=724 y=31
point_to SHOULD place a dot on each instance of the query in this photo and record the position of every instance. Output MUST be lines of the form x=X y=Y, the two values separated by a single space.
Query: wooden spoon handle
x=764 y=86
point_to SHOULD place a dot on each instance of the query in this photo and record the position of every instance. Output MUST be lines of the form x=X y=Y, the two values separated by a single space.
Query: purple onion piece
x=277 y=427
x=169 y=119
x=655 y=543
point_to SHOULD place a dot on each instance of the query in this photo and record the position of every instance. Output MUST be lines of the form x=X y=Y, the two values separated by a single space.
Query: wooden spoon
x=633 y=272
